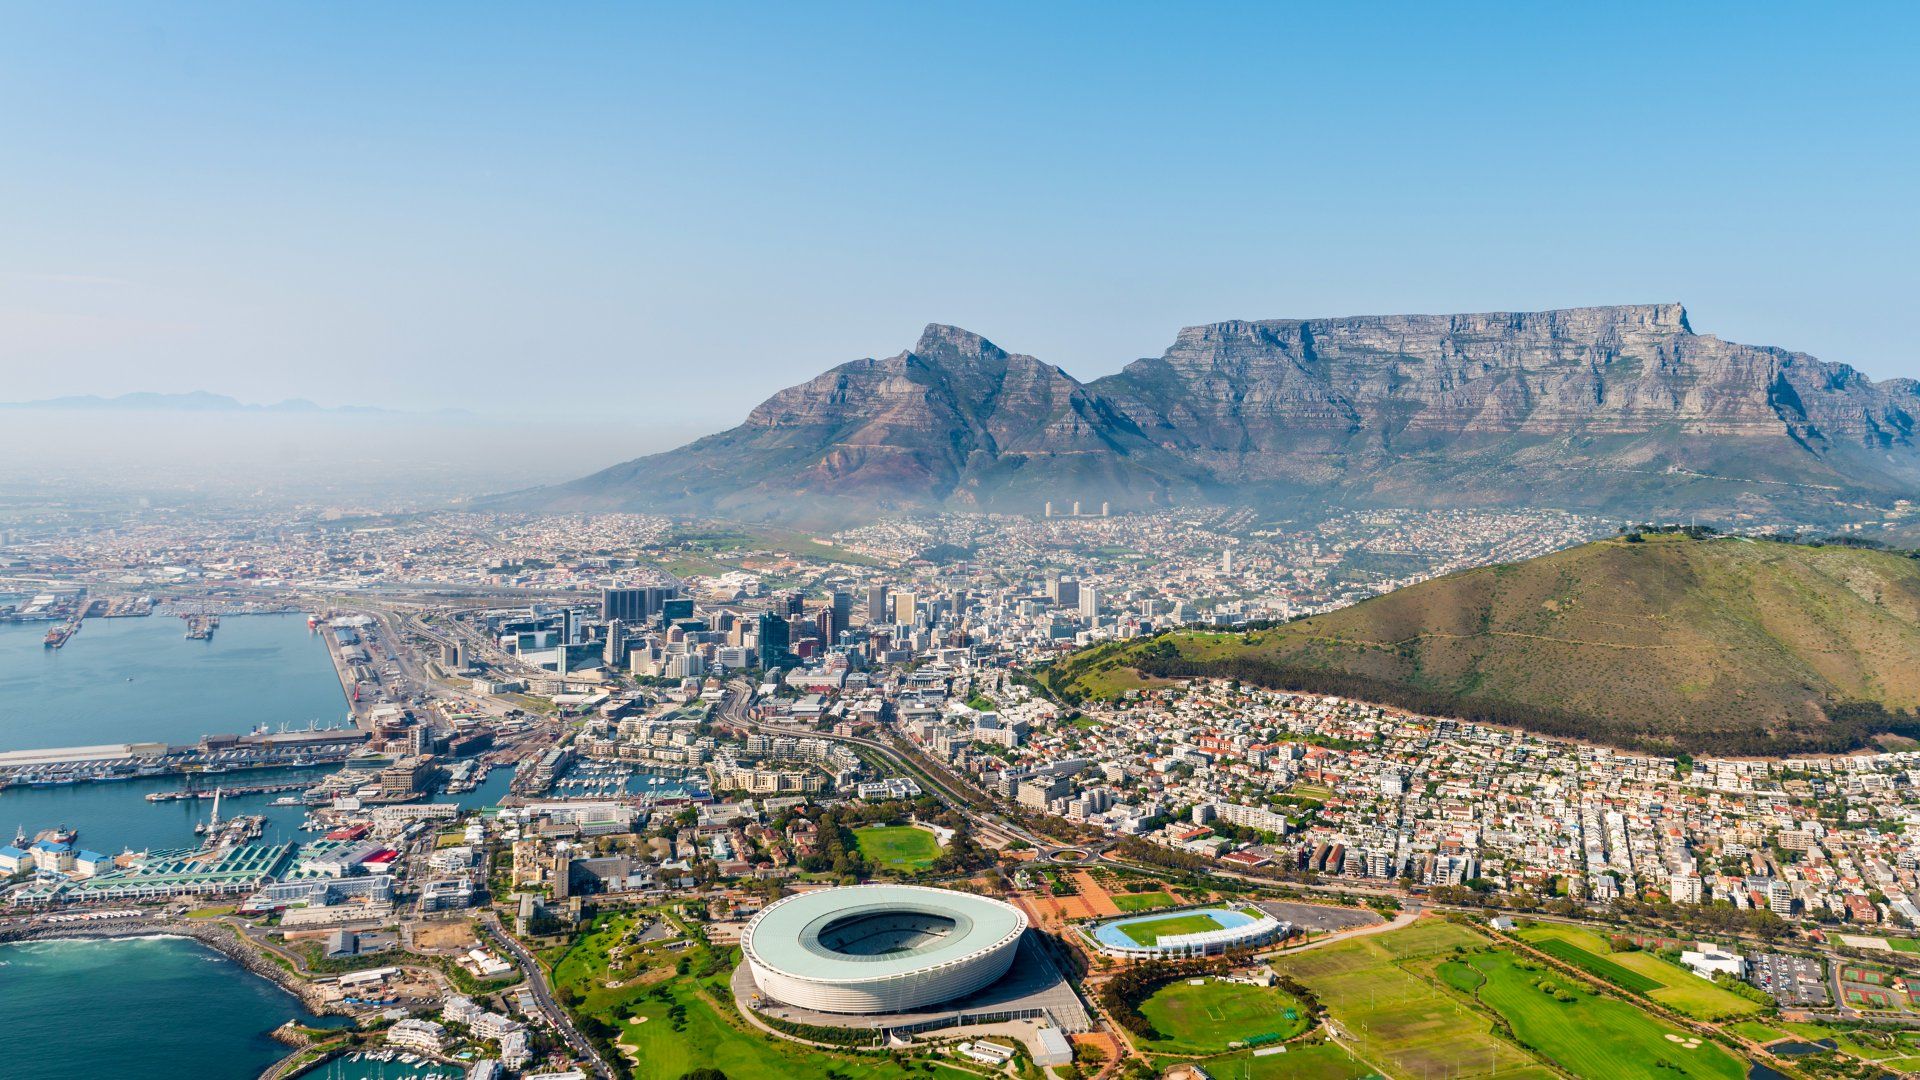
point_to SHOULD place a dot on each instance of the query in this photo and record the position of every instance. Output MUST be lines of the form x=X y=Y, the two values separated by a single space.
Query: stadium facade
x=866 y=949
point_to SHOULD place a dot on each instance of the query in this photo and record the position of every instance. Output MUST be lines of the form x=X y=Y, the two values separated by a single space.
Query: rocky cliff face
x=1622 y=409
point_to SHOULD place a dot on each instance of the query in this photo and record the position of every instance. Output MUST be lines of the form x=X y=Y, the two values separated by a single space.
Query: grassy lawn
x=1904 y=944
x=1398 y=1021
x=898 y=847
x=1757 y=1031
x=1204 y=1019
x=1608 y=971
x=1313 y=1061
x=1146 y=933
x=1142 y=901
x=708 y=1040
x=1667 y=983
x=1588 y=1028
x=683 y=1029
x=1115 y=681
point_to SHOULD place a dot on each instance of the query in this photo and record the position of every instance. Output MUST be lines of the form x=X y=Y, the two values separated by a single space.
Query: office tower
x=676 y=609
x=772 y=640
x=1226 y=561
x=616 y=653
x=1066 y=595
x=903 y=608
x=635 y=606
x=876 y=604
x=791 y=603
x=1089 y=601
x=842 y=608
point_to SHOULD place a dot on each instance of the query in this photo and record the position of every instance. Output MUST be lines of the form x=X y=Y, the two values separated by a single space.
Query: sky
x=655 y=216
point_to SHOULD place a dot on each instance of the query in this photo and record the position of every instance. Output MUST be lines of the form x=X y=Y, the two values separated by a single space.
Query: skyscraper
x=772 y=640
x=876 y=604
x=842 y=606
x=903 y=607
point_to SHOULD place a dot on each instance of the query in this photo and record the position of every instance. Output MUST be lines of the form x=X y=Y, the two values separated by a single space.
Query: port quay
x=212 y=755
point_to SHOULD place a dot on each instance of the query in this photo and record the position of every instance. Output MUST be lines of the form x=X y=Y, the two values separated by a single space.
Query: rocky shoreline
x=215 y=935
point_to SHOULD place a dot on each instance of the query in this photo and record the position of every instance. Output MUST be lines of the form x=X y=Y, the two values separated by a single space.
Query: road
x=543 y=994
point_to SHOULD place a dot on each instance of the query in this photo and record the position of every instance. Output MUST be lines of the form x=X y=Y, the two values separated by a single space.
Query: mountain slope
x=1620 y=410
x=1728 y=645
x=955 y=420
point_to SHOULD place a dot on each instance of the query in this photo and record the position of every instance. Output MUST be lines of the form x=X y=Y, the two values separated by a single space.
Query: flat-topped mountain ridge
x=1622 y=410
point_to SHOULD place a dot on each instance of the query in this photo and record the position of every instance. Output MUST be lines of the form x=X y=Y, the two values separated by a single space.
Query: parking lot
x=1792 y=980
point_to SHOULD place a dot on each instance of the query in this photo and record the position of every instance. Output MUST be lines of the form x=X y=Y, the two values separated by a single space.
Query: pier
x=212 y=755
x=244 y=789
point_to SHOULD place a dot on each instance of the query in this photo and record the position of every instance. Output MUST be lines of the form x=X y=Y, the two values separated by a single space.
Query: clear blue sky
x=675 y=211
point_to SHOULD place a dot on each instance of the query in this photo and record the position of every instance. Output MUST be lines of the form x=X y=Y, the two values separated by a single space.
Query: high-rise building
x=876 y=604
x=616 y=654
x=842 y=607
x=676 y=609
x=772 y=640
x=791 y=603
x=904 y=604
x=634 y=606
x=1065 y=594
x=1089 y=601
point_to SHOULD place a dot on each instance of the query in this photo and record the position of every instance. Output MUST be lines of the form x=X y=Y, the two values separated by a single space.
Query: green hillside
x=1725 y=645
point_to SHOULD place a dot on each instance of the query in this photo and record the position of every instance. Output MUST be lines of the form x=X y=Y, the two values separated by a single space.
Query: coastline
x=218 y=936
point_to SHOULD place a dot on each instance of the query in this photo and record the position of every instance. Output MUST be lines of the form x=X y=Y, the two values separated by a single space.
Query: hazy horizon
x=635 y=214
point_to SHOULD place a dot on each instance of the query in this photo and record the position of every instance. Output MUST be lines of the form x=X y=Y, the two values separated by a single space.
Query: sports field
x=1204 y=1019
x=1152 y=930
x=1640 y=972
x=1588 y=1028
x=899 y=847
x=1141 y=901
x=1399 y=1022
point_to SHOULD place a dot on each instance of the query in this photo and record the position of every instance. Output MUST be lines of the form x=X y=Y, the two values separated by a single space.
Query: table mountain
x=1621 y=410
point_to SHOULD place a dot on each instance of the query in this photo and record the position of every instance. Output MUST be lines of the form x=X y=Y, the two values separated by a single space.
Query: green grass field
x=1589 y=1029
x=1607 y=970
x=710 y=1041
x=1312 y=1061
x=1904 y=944
x=1671 y=985
x=1204 y=1019
x=1142 y=901
x=1146 y=933
x=1757 y=1031
x=898 y=847
x=1399 y=1022
x=584 y=970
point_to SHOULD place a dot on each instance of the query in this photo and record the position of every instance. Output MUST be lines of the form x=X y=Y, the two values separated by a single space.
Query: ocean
x=156 y=1007
x=134 y=680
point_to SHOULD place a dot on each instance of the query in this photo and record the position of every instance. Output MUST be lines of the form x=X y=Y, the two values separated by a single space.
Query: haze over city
x=1002 y=542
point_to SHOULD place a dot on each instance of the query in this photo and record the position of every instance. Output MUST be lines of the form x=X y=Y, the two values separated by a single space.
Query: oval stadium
x=880 y=948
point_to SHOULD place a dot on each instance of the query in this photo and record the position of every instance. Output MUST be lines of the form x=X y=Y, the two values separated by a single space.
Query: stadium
x=880 y=948
x=1194 y=932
